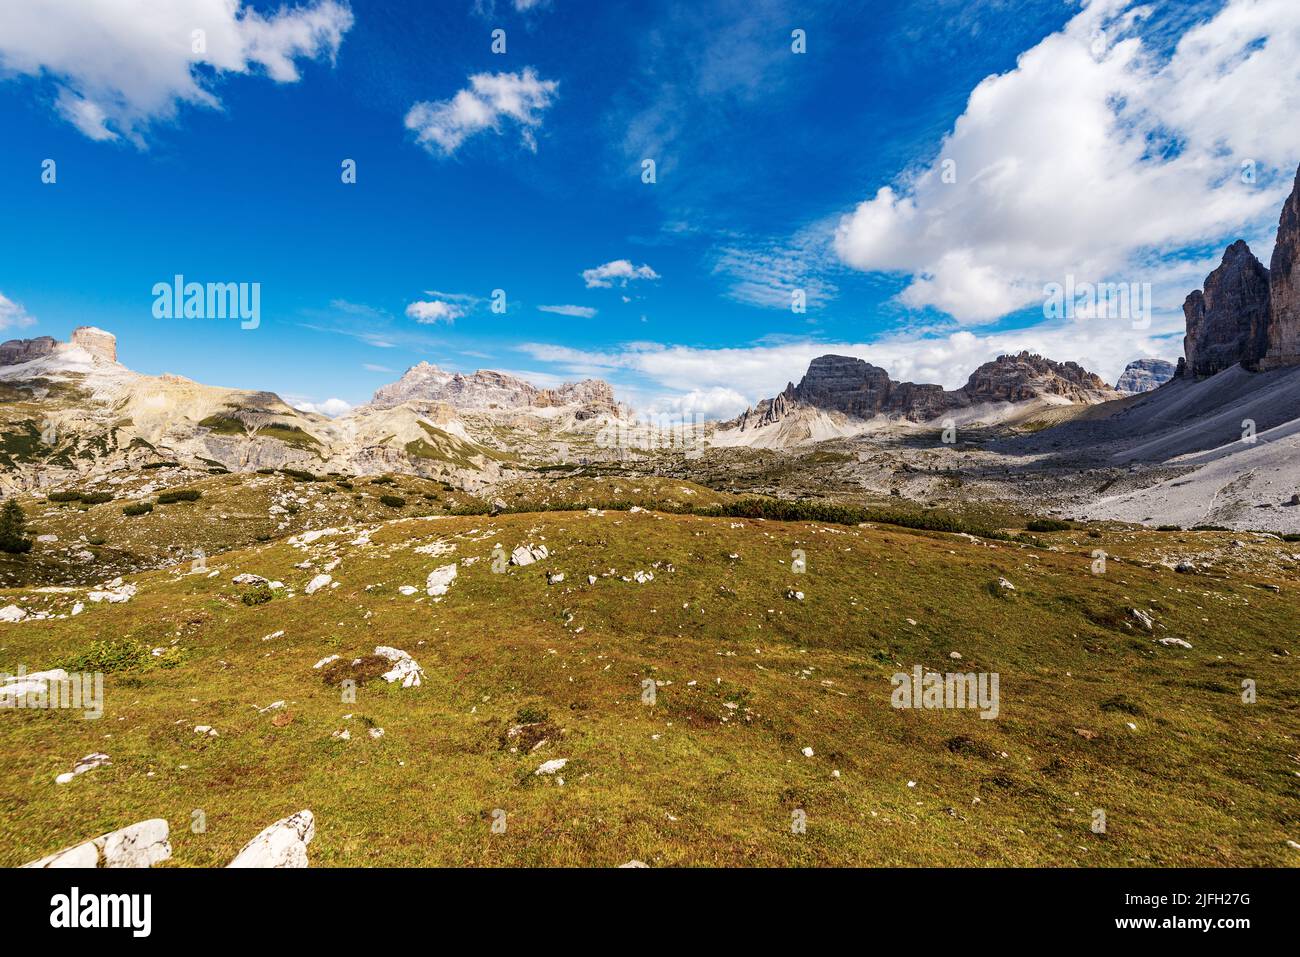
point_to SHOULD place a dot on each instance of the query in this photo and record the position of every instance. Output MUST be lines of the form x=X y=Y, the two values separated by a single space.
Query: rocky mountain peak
x=1247 y=313
x=96 y=341
x=1283 y=332
x=1227 y=322
x=854 y=387
x=91 y=339
x=487 y=390
x=1145 y=375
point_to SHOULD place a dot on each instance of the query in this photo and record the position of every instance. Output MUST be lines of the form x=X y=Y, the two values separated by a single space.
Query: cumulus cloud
x=429 y=312
x=577 y=312
x=118 y=66
x=330 y=407
x=1096 y=156
x=718 y=402
x=619 y=272
x=12 y=315
x=491 y=98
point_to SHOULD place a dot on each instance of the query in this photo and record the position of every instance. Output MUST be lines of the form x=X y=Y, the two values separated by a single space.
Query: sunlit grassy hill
x=1095 y=713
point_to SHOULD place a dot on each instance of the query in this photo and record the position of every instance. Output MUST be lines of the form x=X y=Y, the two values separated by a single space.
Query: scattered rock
x=317 y=583
x=1142 y=618
x=12 y=613
x=439 y=580
x=1175 y=643
x=142 y=844
x=88 y=763
x=551 y=766
x=527 y=554
x=404 y=667
x=283 y=844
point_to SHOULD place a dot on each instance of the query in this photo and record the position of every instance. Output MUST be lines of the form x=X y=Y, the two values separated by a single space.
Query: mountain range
x=68 y=409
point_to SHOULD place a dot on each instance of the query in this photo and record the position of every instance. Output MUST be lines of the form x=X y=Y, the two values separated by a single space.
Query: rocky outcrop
x=1283 y=334
x=1248 y=314
x=856 y=388
x=96 y=341
x=1227 y=323
x=1145 y=375
x=487 y=390
x=1025 y=376
x=16 y=351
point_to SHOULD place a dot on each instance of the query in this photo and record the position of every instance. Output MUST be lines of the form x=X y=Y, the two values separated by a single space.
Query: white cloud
x=768 y=274
x=577 y=312
x=491 y=97
x=12 y=315
x=375 y=367
x=618 y=272
x=330 y=407
x=428 y=312
x=718 y=402
x=1094 y=157
x=120 y=65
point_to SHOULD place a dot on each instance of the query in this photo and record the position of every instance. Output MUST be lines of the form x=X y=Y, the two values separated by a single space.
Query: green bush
x=180 y=495
x=95 y=540
x=392 y=501
x=64 y=496
x=1047 y=525
x=117 y=654
x=299 y=475
x=257 y=595
x=159 y=465
x=13 y=529
x=137 y=508
x=96 y=498
x=1169 y=528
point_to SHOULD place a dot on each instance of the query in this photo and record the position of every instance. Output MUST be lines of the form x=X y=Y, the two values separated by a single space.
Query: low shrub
x=180 y=495
x=137 y=508
x=1047 y=525
x=392 y=501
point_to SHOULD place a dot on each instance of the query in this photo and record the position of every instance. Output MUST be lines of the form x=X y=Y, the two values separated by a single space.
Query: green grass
x=1202 y=779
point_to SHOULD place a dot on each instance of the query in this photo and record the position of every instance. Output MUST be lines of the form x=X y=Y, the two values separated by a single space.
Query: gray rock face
x=486 y=390
x=16 y=351
x=1284 y=288
x=1145 y=375
x=1228 y=322
x=95 y=341
x=856 y=388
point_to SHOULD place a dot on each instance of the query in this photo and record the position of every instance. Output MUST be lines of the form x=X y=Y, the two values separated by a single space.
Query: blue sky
x=522 y=171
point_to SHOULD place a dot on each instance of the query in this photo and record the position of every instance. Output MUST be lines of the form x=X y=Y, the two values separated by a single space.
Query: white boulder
x=283 y=844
